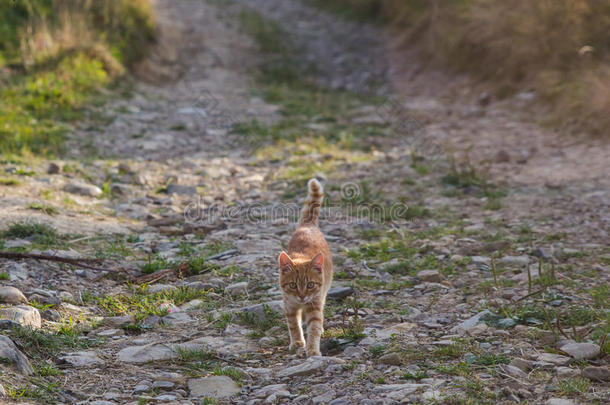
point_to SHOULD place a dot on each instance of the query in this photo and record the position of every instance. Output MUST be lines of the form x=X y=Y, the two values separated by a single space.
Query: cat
x=306 y=272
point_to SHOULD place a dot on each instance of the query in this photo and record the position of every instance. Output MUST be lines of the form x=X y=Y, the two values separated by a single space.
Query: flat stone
x=392 y=359
x=566 y=372
x=177 y=317
x=581 y=351
x=512 y=370
x=22 y=314
x=163 y=385
x=310 y=366
x=270 y=389
x=140 y=388
x=430 y=276
x=11 y=354
x=471 y=322
x=117 y=321
x=12 y=295
x=398 y=329
x=157 y=288
x=522 y=364
x=79 y=188
x=555 y=359
x=81 y=359
x=219 y=387
x=236 y=289
x=560 y=401
x=397 y=390
x=340 y=292
x=596 y=373
x=261 y=310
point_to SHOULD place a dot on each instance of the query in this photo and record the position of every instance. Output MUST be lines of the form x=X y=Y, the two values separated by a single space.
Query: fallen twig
x=52 y=258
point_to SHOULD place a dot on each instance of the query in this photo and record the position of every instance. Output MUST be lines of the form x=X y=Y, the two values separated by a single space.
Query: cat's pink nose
x=302 y=297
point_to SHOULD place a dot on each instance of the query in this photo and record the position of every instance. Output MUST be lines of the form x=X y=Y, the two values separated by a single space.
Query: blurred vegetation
x=559 y=48
x=54 y=55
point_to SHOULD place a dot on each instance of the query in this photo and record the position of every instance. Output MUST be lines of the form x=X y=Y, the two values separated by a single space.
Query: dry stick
x=561 y=330
x=529 y=295
x=75 y=262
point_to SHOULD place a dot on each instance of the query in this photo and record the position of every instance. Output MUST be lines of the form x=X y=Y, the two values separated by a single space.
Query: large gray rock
x=23 y=315
x=81 y=359
x=581 y=351
x=220 y=387
x=88 y=190
x=13 y=356
x=310 y=366
x=12 y=295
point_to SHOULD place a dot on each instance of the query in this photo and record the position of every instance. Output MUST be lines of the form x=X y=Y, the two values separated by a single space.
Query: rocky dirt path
x=452 y=285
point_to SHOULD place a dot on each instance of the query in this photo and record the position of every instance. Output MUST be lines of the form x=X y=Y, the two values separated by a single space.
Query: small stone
x=140 y=388
x=51 y=315
x=65 y=296
x=506 y=323
x=502 y=156
x=353 y=351
x=22 y=314
x=177 y=317
x=596 y=373
x=236 y=289
x=220 y=387
x=391 y=359
x=157 y=288
x=513 y=371
x=310 y=366
x=84 y=189
x=522 y=364
x=581 y=351
x=53 y=168
x=163 y=385
x=270 y=389
x=430 y=276
x=566 y=372
x=81 y=359
x=554 y=359
x=471 y=322
x=559 y=401
x=13 y=356
x=12 y=295
x=262 y=310
x=340 y=292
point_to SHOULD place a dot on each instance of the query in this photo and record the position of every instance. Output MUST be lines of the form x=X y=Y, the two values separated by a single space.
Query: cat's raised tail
x=311 y=208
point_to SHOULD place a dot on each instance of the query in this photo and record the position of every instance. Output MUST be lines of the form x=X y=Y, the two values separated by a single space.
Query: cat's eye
x=292 y=285
x=310 y=284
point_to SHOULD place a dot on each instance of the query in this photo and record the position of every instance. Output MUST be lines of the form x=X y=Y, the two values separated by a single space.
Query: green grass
x=4 y=276
x=44 y=208
x=140 y=304
x=44 y=345
x=53 y=80
x=9 y=182
x=38 y=233
x=573 y=386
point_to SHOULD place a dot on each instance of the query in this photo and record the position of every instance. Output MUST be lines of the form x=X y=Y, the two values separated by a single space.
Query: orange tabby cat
x=306 y=272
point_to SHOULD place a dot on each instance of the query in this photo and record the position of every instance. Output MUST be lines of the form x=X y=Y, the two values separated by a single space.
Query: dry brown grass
x=559 y=48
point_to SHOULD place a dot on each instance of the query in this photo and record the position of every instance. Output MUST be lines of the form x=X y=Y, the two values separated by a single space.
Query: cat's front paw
x=313 y=352
x=296 y=345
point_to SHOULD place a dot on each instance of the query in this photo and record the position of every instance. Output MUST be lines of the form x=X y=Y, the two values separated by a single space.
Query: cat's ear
x=285 y=262
x=317 y=262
